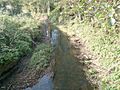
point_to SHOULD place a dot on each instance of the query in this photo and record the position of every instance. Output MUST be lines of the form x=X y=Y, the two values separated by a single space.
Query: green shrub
x=41 y=56
x=7 y=55
x=23 y=47
x=17 y=34
x=43 y=47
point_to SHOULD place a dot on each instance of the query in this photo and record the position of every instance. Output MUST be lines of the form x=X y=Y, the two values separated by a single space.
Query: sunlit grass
x=105 y=48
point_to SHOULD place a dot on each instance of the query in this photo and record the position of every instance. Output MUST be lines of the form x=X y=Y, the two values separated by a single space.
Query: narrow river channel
x=69 y=73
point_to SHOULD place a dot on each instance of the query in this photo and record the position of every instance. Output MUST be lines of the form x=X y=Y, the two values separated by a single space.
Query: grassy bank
x=105 y=51
x=96 y=23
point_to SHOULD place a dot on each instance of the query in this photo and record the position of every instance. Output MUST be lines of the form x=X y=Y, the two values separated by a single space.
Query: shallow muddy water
x=69 y=73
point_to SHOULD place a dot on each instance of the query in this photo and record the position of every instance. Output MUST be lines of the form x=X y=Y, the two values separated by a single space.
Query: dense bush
x=8 y=55
x=16 y=37
x=23 y=47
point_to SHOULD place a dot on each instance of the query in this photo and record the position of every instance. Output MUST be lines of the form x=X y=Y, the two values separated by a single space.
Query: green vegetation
x=18 y=33
x=41 y=57
x=97 y=23
x=19 y=27
x=106 y=51
x=16 y=37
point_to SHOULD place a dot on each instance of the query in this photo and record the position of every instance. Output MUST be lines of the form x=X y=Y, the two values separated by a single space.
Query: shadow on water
x=69 y=72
